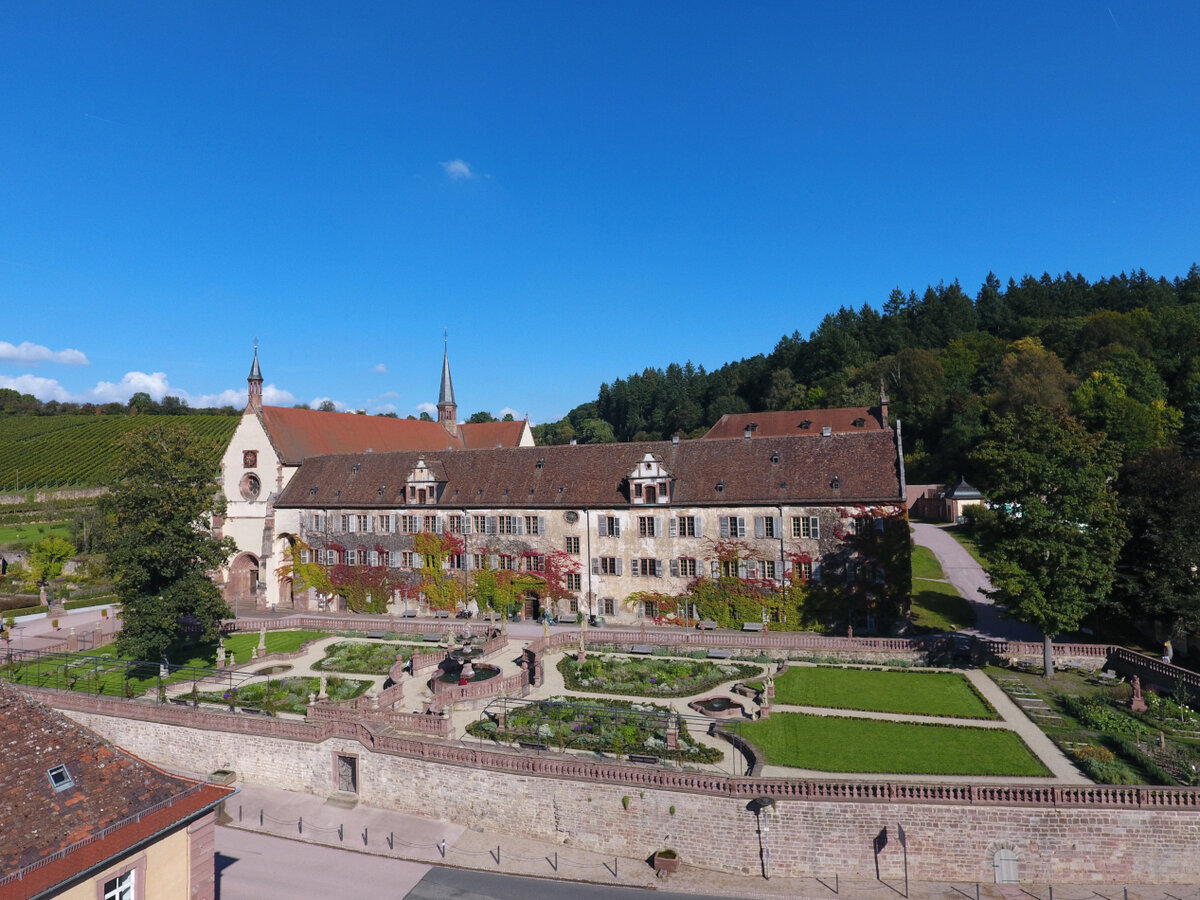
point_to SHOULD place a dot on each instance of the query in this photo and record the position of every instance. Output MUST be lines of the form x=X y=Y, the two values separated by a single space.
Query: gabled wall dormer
x=422 y=487
x=649 y=483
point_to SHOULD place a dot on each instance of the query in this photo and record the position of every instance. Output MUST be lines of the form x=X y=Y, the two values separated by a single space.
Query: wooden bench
x=256 y=712
x=642 y=649
x=643 y=758
x=529 y=745
x=376 y=634
x=1109 y=675
x=720 y=653
x=707 y=625
x=441 y=613
x=752 y=626
x=409 y=614
x=432 y=638
x=181 y=701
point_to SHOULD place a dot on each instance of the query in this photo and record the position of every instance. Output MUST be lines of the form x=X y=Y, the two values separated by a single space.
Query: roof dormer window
x=60 y=778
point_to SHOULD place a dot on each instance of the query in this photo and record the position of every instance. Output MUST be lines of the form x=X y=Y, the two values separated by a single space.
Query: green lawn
x=914 y=693
x=937 y=607
x=31 y=533
x=838 y=744
x=242 y=645
x=925 y=564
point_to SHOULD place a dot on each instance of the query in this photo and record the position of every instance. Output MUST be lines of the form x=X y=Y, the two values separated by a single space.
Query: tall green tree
x=1051 y=538
x=48 y=556
x=158 y=539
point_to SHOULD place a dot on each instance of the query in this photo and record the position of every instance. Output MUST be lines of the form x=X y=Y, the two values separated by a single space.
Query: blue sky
x=576 y=191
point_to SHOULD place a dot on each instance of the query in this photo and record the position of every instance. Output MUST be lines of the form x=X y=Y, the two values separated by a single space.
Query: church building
x=272 y=442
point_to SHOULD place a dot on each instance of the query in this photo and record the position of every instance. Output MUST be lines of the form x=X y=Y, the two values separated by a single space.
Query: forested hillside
x=1122 y=353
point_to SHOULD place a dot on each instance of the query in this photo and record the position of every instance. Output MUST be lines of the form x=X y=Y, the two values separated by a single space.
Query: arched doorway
x=243 y=578
x=1005 y=863
x=533 y=606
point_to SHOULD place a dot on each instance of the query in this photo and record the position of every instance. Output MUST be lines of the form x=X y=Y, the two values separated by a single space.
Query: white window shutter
x=778 y=526
x=518 y=524
x=815 y=527
x=494 y=560
x=673 y=527
x=616 y=529
x=741 y=526
x=595 y=565
x=724 y=520
x=657 y=527
x=699 y=526
x=491 y=524
x=466 y=524
x=674 y=568
x=619 y=561
x=635 y=567
x=602 y=524
x=760 y=526
x=541 y=524
x=658 y=568
x=742 y=568
x=752 y=568
x=716 y=569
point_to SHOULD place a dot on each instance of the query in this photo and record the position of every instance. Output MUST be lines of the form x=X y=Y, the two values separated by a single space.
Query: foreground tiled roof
x=51 y=836
x=704 y=472
x=798 y=422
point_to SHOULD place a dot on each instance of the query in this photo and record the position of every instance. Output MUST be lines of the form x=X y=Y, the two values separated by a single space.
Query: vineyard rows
x=82 y=450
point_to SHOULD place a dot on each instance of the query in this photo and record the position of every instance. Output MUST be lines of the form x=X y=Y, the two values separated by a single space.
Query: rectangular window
x=385 y=524
x=806 y=527
x=60 y=778
x=687 y=526
x=406 y=559
x=533 y=525
x=362 y=524
x=729 y=568
x=608 y=606
x=455 y=524
x=806 y=571
x=769 y=527
x=687 y=567
x=345 y=523
x=304 y=557
x=767 y=568
x=610 y=526
x=862 y=525
x=535 y=563
x=479 y=561
x=574 y=582
x=409 y=525
x=648 y=526
x=392 y=558
x=508 y=563
x=507 y=525
x=455 y=560
x=122 y=887
x=430 y=524
x=372 y=558
x=608 y=565
x=573 y=603
x=480 y=523
x=733 y=526
x=573 y=545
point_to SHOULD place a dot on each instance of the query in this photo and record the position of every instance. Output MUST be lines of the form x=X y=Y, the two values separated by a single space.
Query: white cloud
x=458 y=170
x=389 y=395
x=317 y=401
x=155 y=384
x=430 y=408
x=27 y=352
x=381 y=369
x=42 y=388
x=508 y=409
x=385 y=408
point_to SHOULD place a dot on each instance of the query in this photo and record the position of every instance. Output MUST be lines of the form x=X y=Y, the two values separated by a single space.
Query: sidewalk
x=380 y=832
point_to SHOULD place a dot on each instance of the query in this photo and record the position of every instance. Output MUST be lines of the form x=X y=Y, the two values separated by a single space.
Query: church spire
x=446 y=407
x=254 y=384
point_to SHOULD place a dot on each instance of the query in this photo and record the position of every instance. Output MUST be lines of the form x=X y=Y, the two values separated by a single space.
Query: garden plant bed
x=653 y=677
x=283 y=694
x=842 y=744
x=912 y=693
x=361 y=658
x=613 y=726
x=1093 y=725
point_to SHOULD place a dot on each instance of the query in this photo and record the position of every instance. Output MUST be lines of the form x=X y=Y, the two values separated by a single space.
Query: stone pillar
x=672 y=733
x=72 y=641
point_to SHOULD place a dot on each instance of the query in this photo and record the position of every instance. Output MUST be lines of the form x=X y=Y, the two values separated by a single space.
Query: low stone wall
x=1059 y=834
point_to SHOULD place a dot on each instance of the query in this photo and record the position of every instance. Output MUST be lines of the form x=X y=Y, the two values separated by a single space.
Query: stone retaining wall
x=1058 y=834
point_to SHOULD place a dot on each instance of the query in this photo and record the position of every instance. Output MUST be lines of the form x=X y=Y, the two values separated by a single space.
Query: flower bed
x=615 y=726
x=284 y=694
x=362 y=658
x=649 y=677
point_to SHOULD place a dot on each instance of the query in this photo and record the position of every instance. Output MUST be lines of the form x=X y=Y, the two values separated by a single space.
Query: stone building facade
x=627 y=518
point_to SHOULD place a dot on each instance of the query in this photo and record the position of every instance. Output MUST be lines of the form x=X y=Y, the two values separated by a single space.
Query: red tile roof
x=798 y=422
x=300 y=433
x=484 y=435
x=53 y=836
x=765 y=470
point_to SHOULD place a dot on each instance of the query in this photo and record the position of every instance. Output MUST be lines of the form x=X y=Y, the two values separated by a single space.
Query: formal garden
x=289 y=695
x=361 y=658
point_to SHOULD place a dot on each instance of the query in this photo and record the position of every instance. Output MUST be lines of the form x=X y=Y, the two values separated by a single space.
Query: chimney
x=750 y=429
x=883 y=405
x=826 y=430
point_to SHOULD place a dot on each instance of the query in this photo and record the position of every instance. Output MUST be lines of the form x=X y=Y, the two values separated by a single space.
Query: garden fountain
x=719 y=707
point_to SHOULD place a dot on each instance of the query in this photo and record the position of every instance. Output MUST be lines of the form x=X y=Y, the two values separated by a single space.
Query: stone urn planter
x=665 y=862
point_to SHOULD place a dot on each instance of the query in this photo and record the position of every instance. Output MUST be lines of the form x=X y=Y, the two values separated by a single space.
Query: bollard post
x=341 y=836
x=260 y=818
x=442 y=848
x=300 y=824
x=239 y=812
x=366 y=838
x=498 y=859
x=391 y=840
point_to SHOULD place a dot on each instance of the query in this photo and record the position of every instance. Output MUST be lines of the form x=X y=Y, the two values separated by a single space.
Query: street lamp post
x=763 y=807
